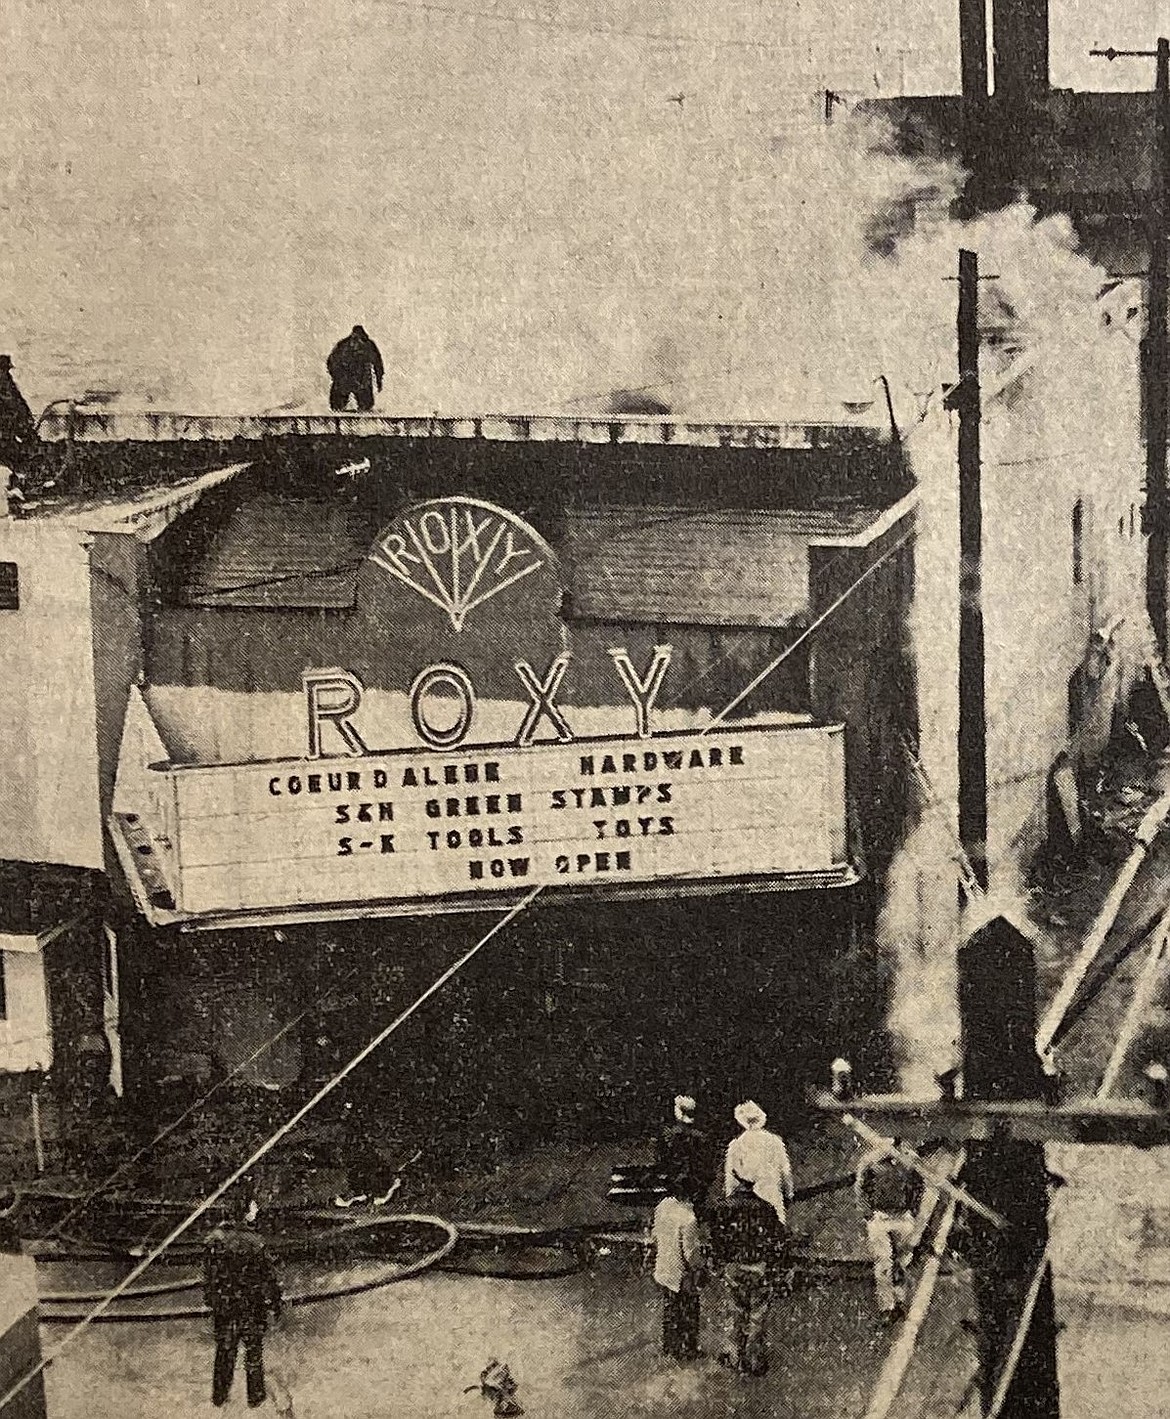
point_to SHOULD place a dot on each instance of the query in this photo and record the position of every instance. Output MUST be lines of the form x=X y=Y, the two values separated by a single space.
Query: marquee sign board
x=419 y=824
x=451 y=751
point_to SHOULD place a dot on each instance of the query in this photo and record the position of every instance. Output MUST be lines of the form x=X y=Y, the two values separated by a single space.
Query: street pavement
x=585 y=1345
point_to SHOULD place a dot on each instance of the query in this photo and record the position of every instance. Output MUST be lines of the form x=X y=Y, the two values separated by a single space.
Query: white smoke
x=200 y=207
x=1061 y=426
x=197 y=205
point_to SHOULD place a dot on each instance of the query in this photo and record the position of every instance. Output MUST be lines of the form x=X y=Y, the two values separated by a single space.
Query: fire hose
x=552 y=1253
x=57 y=1303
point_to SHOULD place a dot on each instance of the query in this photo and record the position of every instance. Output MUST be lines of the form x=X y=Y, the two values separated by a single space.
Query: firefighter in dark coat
x=750 y=1244
x=240 y=1289
x=355 y=367
x=18 y=429
x=684 y=1155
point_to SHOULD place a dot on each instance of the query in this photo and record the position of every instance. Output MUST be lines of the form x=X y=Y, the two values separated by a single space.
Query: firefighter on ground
x=241 y=1291
x=759 y=1154
x=749 y=1243
x=890 y=1194
x=678 y=1267
x=683 y=1152
x=355 y=367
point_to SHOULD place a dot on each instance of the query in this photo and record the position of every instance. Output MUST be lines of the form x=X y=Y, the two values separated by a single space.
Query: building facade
x=346 y=701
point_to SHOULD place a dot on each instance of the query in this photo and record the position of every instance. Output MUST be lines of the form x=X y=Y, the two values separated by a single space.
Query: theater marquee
x=464 y=763
x=418 y=825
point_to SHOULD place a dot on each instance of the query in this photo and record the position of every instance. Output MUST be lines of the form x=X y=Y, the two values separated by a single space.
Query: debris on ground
x=497 y=1385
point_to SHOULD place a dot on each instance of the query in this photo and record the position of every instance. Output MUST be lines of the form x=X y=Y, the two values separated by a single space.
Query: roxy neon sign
x=458 y=553
x=333 y=699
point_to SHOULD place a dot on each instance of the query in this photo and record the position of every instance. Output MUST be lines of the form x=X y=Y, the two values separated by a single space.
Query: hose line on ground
x=293 y=1298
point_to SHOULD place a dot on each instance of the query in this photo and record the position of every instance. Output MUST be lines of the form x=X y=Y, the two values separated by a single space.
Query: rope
x=813 y=625
x=266 y=1147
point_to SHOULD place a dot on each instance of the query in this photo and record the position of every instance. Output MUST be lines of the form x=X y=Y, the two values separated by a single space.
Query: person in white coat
x=762 y=1156
x=678 y=1265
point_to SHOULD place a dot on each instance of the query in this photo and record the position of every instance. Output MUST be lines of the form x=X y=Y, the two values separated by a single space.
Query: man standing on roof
x=240 y=1289
x=355 y=367
x=18 y=429
x=761 y=1156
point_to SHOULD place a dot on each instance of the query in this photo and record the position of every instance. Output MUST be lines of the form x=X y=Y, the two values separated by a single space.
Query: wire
x=340 y=569
x=813 y=625
x=266 y=1147
x=755 y=631
x=931 y=800
x=1026 y=682
x=1058 y=457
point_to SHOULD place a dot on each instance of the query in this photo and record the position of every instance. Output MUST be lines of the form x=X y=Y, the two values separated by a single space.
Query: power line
x=813 y=625
x=519 y=18
x=266 y=1147
x=276 y=579
x=753 y=631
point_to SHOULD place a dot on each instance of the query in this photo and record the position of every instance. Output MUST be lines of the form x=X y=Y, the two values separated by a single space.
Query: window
x=9 y=587
x=1078 y=533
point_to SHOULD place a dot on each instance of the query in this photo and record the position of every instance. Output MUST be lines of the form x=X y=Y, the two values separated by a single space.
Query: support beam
x=1121 y=1121
x=973 y=66
x=1156 y=362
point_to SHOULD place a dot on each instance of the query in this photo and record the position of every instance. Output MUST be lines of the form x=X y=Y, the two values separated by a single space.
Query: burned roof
x=540 y=464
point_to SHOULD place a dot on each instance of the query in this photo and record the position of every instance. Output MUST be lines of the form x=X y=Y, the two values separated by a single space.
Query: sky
x=195 y=201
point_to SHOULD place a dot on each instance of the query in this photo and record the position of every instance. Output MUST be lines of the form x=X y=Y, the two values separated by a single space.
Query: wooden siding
x=280 y=553
x=691 y=568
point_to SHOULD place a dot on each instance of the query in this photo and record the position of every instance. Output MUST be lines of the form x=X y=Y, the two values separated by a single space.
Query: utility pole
x=973 y=64
x=1012 y=1279
x=997 y=987
x=1156 y=351
x=1156 y=348
x=972 y=747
